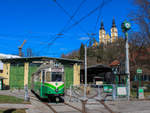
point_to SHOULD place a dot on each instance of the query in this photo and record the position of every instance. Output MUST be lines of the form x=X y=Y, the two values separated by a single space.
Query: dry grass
x=12 y=111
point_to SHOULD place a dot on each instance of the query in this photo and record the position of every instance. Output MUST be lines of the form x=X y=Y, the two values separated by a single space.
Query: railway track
x=54 y=107
x=49 y=106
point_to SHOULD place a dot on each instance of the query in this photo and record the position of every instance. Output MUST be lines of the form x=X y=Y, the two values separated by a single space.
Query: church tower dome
x=113 y=23
x=102 y=26
x=114 y=31
x=102 y=34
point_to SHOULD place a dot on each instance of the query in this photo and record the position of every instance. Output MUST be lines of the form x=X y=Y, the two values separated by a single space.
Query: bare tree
x=141 y=17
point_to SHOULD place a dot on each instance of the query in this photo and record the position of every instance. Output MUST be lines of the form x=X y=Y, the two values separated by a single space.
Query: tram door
x=43 y=76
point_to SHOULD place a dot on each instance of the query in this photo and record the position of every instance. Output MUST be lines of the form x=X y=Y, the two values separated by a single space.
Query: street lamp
x=85 y=69
x=125 y=27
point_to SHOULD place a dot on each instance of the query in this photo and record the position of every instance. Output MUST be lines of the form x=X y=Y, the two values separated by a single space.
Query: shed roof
x=99 y=68
x=42 y=58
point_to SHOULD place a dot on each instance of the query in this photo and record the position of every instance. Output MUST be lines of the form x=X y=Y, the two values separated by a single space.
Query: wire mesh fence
x=103 y=92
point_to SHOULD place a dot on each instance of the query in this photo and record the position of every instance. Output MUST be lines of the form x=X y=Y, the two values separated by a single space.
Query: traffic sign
x=140 y=93
x=139 y=71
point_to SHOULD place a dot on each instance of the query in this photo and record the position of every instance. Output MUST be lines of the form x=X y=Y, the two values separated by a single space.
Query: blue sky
x=38 y=22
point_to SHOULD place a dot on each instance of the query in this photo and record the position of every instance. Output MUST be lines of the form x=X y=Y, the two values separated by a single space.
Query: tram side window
x=56 y=77
x=43 y=76
x=48 y=78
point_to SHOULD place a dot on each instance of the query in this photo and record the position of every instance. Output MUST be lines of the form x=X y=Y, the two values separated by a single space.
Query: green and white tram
x=48 y=81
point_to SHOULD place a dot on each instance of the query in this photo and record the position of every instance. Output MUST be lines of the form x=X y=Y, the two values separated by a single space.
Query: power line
x=71 y=17
x=99 y=13
x=84 y=17
x=59 y=5
x=75 y=12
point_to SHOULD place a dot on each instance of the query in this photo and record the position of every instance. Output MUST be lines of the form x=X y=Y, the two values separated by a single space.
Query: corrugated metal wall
x=17 y=76
x=32 y=69
x=68 y=76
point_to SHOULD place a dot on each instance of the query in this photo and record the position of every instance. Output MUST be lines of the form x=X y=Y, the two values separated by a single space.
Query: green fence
x=17 y=76
x=68 y=76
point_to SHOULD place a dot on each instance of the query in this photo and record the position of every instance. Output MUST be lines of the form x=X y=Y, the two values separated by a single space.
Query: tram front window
x=56 y=77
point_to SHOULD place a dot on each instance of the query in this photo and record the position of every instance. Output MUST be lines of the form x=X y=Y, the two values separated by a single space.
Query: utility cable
x=75 y=12
x=71 y=17
x=81 y=19
x=84 y=17
x=99 y=13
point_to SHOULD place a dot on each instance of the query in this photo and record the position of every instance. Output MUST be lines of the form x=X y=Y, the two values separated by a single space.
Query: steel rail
x=49 y=106
x=72 y=106
x=90 y=97
x=108 y=108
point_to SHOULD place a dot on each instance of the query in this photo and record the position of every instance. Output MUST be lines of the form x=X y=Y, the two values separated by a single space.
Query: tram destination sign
x=57 y=69
x=139 y=71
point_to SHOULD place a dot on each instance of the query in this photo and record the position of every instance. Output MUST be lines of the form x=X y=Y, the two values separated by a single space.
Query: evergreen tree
x=81 y=51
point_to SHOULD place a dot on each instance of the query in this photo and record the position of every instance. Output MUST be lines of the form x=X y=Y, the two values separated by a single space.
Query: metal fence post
x=26 y=96
x=114 y=92
x=70 y=92
x=84 y=101
x=99 y=97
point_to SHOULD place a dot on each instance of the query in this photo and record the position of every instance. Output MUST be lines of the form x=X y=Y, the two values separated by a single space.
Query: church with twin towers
x=105 y=38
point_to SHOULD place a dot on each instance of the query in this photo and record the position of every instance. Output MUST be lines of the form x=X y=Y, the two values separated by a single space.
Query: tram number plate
x=57 y=70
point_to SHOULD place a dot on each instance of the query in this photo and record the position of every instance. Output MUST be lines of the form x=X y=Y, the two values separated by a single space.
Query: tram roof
x=42 y=58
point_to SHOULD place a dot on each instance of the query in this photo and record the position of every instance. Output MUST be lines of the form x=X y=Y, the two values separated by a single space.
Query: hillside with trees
x=101 y=54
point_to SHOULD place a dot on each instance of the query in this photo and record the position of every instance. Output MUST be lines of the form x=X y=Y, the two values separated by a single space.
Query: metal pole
x=26 y=96
x=85 y=85
x=127 y=64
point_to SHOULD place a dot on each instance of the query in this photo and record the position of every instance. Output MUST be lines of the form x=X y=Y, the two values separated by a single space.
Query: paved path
x=130 y=106
x=38 y=107
x=15 y=106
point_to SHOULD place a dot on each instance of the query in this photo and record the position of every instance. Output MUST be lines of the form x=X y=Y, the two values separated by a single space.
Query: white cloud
x=63 y=49
x=84 y=38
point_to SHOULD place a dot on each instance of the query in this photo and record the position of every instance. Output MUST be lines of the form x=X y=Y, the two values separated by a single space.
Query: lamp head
x=125 y=26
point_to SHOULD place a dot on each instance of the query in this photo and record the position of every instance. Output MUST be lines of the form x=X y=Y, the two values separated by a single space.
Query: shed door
x=68 y=76
x=17 y=76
